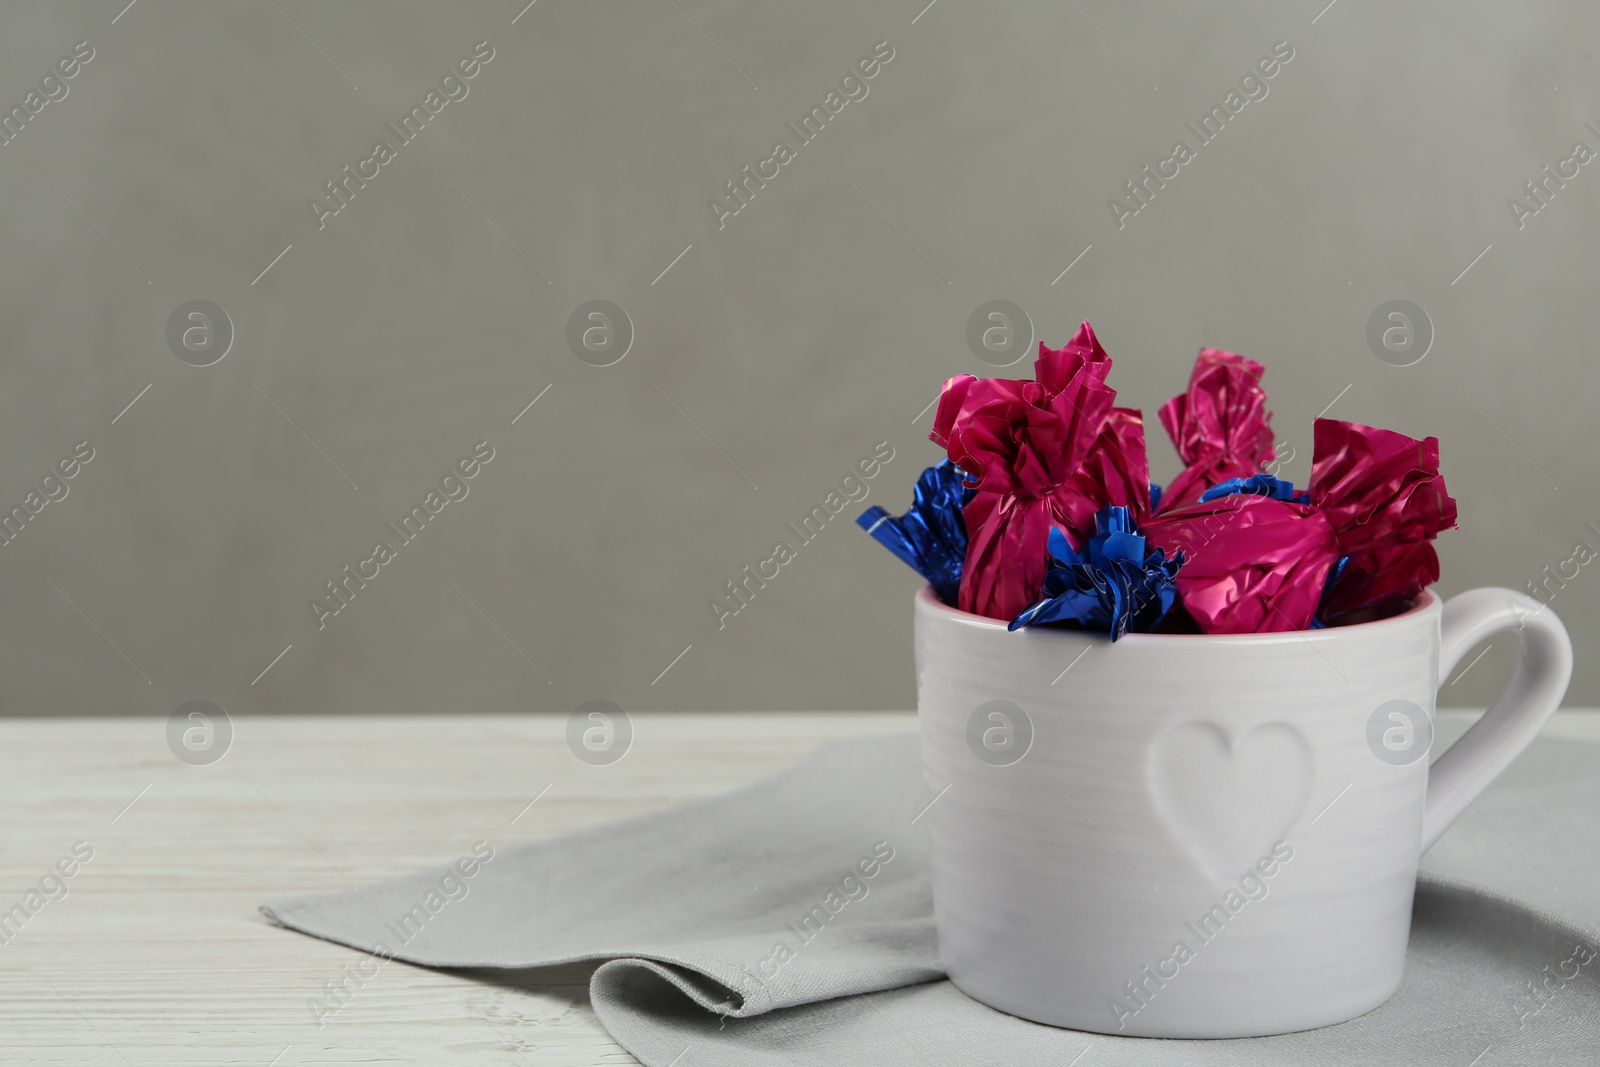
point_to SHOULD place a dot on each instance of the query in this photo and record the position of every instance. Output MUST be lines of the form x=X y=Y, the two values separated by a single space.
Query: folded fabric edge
x=690 y=979
x=616 y=974
x=633 y=999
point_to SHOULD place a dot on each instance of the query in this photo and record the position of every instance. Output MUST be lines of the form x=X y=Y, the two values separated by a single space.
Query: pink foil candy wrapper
x=1116 y=471
x=1252 y=564
x=1055 y=367
x=1220 y=427
x=1023 y=442
x=1386 y=500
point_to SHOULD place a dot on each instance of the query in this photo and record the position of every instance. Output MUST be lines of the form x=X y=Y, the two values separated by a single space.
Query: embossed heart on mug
x=1228 y=799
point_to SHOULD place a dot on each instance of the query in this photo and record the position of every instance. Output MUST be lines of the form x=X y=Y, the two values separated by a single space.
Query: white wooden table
x=157 y=954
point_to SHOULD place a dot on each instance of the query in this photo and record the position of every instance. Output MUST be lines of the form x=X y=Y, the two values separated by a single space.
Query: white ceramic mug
x=1202 y=836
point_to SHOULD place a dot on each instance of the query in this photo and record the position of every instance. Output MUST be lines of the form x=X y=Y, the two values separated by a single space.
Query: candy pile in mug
x=1044 y=513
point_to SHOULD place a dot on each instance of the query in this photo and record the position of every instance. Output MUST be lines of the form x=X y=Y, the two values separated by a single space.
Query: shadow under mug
x=1195 y=835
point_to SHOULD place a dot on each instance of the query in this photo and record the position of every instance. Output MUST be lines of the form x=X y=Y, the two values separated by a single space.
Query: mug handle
x=1467 y=767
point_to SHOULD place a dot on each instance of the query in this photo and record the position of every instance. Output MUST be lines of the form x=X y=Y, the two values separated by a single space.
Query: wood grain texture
x=157 y=955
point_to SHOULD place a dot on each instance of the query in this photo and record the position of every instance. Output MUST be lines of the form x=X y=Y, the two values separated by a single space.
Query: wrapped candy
x=1054 y=373
x=1386 y=500
x=1116 y=587
x=931 y=537
x=1116 y=472
x=1044 y=513
x=1252 y=564
x=1220 y=427
x=1023 y=441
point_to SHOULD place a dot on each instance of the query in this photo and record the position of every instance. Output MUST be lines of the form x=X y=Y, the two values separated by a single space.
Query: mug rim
x=1426 y=602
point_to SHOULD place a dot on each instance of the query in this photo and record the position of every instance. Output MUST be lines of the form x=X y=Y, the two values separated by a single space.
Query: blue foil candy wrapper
x=1327 y=590
x=931 y=537
x=1257 y=485
x=1116 y=587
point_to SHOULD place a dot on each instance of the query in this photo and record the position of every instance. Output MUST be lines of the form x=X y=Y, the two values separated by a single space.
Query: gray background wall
x=425 y=316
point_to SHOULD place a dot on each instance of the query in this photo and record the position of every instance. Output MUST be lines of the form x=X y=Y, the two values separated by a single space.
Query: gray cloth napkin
x=829 y=860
